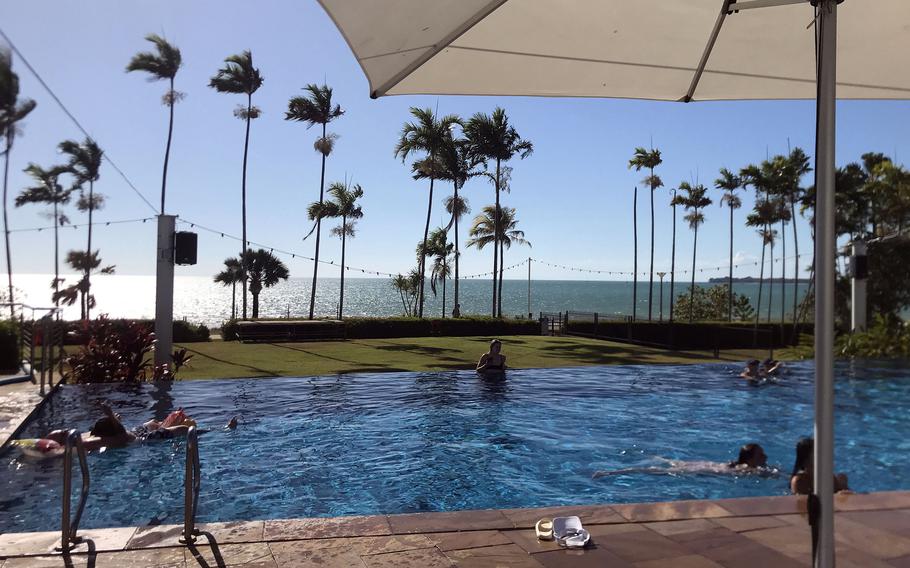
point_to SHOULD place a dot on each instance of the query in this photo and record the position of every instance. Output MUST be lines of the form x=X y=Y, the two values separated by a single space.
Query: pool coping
x=508 y=530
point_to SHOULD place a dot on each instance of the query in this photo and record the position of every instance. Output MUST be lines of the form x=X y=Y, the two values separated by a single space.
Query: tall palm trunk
x=344 y=225
x=771 y=282
x=496 y=238
x=795 y=267
x=318 y=232
x=9 y=257
x=233 y=300
x=455 y=212
x=730 y=277
x=56 y=254
x=423 y=249
x=651 y=277
x=692 y=288
x=761 y=281
x=444 y=291
x=502 y=264
x=255 y=305
x=673 y=265
x=167 y=148
x=246 y=146
x=783 y=275
x=86 y=295
x=635 y=251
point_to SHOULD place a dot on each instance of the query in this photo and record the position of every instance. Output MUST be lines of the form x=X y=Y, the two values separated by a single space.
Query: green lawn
x=220 y=359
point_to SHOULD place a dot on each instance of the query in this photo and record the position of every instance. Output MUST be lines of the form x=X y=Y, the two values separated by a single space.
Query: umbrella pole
x=825 y=271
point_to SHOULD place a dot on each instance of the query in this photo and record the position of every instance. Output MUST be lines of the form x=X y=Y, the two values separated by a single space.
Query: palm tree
x=728 y=182
x=760 y=219
x=85 y=165
x=239 y=76
x=12 y=111
x=440 y=250
x=316 y=108
x=483 y=231
x=346 y=207
x=428 y=135
x=48 y=191
x=635 y=250
x=493 y=138
x=648 y=159
x=460 y=165
x=264 y=270
x=230 y=276
x=161 y=66
x=407 y=287
x=694 y=200
x=797 y=166
x=673 y=256
x=83 y=262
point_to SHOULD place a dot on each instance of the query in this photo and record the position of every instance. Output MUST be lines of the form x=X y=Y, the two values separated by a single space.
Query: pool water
x=407 y=442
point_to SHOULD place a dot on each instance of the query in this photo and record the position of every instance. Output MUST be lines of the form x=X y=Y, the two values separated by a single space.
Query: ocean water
x=413 y=442
x=198 y=299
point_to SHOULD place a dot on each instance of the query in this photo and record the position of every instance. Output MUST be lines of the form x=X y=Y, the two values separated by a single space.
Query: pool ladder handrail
x=192 y=483
x=70 y=526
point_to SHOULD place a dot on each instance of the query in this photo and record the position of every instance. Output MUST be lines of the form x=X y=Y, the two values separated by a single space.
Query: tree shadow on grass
x=268 y=372
x=608 y=354
x=313 y=353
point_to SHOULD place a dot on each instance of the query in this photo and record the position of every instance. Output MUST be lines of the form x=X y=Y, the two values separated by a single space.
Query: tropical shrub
x=9 y=345
x=712 y=304
x=365 y=328
x=186 y=332
x=887 y=337
x=229 y=330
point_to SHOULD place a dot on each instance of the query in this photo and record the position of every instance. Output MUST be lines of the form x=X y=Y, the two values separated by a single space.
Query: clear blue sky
x=573 y=195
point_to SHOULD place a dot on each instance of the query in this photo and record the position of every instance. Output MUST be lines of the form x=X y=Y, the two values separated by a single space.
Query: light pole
x=661 y=276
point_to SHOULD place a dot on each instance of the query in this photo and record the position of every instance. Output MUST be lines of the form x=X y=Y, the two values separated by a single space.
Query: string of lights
x=95 y=224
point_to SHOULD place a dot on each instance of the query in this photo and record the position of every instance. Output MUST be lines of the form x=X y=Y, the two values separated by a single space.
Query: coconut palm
x=408 y=287
x=264 y=270
x=760 y=218
x=161 y=66
x=83 y=262
x=230 y=276
x=427 y=135
x=48 y=191
x=12 y=111
x=239 y=76
x=344 y=206
x=728 y=182
x=492 y=137
x=635 y=250
x=460 y=165
x=440 y=251
x=317 y=108
x=694 y=201
x=797 y=165
x=673 y=256
x=483 y=231
x=85 y=165
x=649 y=159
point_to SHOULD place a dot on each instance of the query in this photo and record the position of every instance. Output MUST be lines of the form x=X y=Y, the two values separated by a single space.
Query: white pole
x=858 y=292
x=164 y=290
x=825 y=274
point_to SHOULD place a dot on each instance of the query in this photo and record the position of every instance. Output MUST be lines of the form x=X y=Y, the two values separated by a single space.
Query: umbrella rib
x=712 y=39
x=437 y=47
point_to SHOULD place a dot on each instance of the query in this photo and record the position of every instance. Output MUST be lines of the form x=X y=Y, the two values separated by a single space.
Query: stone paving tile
x=742 y=524
x=155 y=537
x=527 y=540
x=589 y=515
x=700 y=542
x=447 y=522
x=47 y=562
x=291 y=548
x=671 y=511
x=872 y=501
x=501 y=556
x=288 y=556
x=894 y=521
x=227 y=554
x=153 y=558
x=750 y=555
x=902 y=562
x=422 y=558
x=468 y=539
x=791 y=541
x=638 y=546
x=386 y=544
x=331 y=527
x=667 y=528
x=877 y=542
x=18 y=544
x=689 y=561
x=234 y=531
x=779 y=505
x=591 y=557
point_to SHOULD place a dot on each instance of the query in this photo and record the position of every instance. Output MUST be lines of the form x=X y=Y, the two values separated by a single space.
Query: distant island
x=754 y=280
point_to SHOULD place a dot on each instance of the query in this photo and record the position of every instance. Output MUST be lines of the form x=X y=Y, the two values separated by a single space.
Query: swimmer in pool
x=750 y=461
x=771 y=367
x=752 y=371
x=802 y=479
x=492 y=361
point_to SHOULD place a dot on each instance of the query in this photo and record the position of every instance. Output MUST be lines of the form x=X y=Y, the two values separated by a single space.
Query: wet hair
x=805 y=449
x=752 y=362
x=746 y=453
x=107 y=427
x=495 y=342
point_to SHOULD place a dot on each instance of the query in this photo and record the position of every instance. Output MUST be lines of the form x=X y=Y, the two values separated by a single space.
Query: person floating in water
x=771 y=367
x=492 y=361
x=802 y=478
x=750 y=461
x=752 y=371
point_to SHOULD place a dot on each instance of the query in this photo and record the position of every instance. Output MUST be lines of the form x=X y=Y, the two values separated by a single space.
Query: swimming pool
x=406 y=442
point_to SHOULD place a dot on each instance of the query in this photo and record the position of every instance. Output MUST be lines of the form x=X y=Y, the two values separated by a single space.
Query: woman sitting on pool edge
x=802 y=479
x=492 y=361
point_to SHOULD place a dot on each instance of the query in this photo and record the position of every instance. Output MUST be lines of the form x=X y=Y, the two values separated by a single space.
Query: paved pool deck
x=18 y=401
x=872 y=531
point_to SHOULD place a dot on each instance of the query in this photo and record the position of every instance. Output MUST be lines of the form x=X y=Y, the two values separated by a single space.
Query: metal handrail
x=191 y=486
x=69 y=527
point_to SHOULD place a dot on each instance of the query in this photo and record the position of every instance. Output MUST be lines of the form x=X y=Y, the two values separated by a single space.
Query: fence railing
x=70 y=526
x=192 y=483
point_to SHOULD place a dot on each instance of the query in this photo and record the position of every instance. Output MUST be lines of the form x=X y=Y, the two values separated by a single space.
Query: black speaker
x=185 y=247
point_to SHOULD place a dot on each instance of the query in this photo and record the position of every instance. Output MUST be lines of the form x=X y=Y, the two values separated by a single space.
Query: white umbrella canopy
x=666 y=50
x=636 y=49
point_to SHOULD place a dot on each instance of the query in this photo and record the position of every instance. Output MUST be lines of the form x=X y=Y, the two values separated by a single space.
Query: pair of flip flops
x=566 y=531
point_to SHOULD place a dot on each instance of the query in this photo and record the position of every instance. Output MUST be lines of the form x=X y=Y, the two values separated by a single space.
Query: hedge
x=184 y=332
x=380 y=328
x=9 y=346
